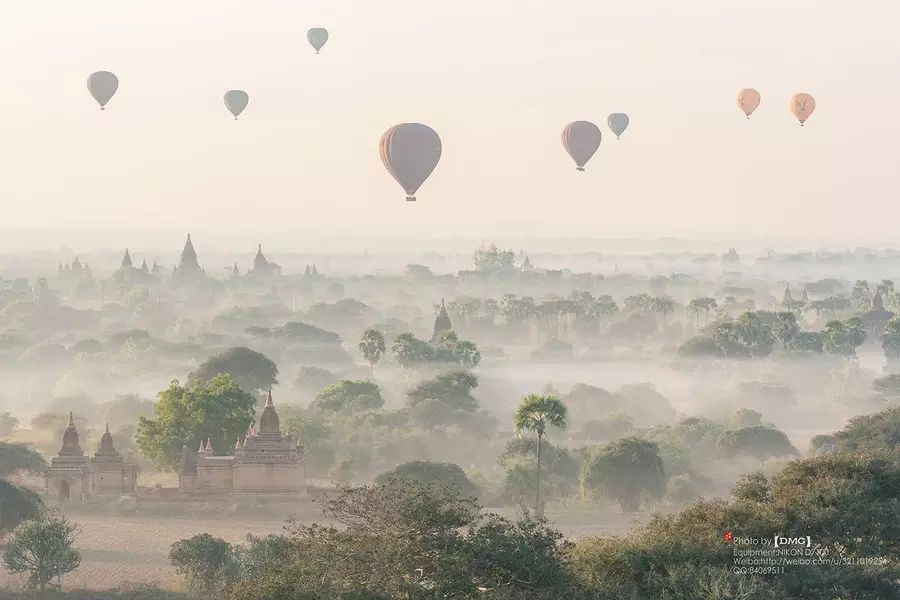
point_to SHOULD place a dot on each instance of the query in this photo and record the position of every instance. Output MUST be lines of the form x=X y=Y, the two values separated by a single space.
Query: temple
x=442 y=322
x=188 y=263
x=264 y=462
x=74 y=476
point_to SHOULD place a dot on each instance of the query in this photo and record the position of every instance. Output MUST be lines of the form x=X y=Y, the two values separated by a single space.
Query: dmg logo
x=806 y=542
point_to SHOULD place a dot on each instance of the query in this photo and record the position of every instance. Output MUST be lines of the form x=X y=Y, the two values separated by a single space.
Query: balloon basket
x=410 y=198
x=579 y=169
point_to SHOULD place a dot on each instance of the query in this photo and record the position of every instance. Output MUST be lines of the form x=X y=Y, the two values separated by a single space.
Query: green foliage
x=409 y=351
x=875 y=433
x=629 y=470
x=606 y=429
x=42 y=549
x=17 y=504
x=444 y=400
x=398 y=540
x=759 y=441
x=700 y=346
x=890 y=339
x=493 y=260
x=348 y=397
x=747 y=337
x=250 y=370
x=845 y=503
x=372 y=346
x=263 y=555
x=535 y=412
x=7 y=423
x=424 y=472
x=218 y=410
x=843 y=337
x=313 y=379
x=19 y=457
x=208 y=564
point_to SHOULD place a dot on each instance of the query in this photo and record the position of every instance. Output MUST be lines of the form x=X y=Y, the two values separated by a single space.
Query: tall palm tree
x=372 y=346
x=534 y=414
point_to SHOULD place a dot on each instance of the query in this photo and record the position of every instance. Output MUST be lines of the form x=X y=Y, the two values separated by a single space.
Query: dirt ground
x=134 y=549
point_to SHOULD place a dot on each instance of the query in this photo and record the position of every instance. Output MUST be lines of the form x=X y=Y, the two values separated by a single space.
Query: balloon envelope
x=803 y=105
x=317 y=37
x=618 y=123
x=581 y=140
x=748 y=99
x=236 y=101
x=410 y=152
x=102 y=85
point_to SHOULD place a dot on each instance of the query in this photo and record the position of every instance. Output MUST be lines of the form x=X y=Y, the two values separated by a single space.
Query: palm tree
x=534 y=414
x=372 y=346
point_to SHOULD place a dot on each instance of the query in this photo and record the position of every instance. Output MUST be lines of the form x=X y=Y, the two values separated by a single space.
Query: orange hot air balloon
x=803 y=105
x=748 y=100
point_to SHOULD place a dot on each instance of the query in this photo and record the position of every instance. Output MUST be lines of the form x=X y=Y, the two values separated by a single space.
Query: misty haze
x=389 y=301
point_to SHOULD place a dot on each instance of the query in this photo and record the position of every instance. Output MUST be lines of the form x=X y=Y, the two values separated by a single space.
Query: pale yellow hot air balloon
x=803 y=105
x=748 y=100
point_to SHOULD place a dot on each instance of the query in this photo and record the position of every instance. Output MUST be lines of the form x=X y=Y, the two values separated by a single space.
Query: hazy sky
x=497 y=79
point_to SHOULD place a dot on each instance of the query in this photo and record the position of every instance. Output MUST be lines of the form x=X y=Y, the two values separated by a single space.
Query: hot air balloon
x=317 y=37
x=410 y=152
x=581 y=140
x=803 y=105
x=102 y=85
x=236 y=101
x=748 y=99
x=618 y=123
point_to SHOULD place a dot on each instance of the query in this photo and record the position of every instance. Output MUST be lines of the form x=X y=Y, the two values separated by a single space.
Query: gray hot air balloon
x=410 y=152
x=581 y=140
x=317 y=37
x=102 y=85
x=236 y=101
x=618 y=123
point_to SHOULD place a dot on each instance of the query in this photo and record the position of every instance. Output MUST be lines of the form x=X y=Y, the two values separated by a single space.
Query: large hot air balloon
x=102 y=85
x=236 y=101
x=618 y=123
x=803 y=105
x=317 y=37
x=748 y=99
x=410 y=152
x=581 y=140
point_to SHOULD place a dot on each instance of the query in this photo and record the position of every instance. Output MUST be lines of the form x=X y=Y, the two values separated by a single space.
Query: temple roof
x=70 y=445
x=877 y=300
x=188 y=257
x=259 y=261
x=126 y=260
x=442 y=322
x=268 y=421
x=107 y=449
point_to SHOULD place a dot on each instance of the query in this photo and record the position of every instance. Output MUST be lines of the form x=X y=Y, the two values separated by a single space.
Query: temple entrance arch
x=63 y=490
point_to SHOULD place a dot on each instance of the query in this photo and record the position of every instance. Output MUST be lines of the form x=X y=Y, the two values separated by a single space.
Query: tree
x=406 y=540
x=870 y=433
x=663 y=305
x=467 y=353
x=19 y=457
x=843 y=337
x=861 y=295
x=424 y=472
x=758 y=441
x=494 y=260
x=313 y=379
x=250 y=370
x=890 y=339
x=262 y=555
x=7 y=423
x=786 y=328
x=207 y=563
x=218 y=411
x=444 y=400
x=43 y=548
x=534 y=414
x=372 y=347
x=348 y=397
x=17 y=504
x=410 y=351
x=627 y=470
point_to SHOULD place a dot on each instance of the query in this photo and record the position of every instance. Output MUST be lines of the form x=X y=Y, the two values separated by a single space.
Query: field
x=134 y=550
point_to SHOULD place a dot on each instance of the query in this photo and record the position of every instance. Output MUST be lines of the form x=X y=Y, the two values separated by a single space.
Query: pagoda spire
x=126 y=260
